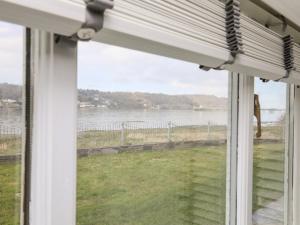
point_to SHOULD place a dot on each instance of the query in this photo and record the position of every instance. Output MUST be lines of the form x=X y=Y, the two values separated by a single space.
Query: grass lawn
x=171 y=187
x=10 y=196
x=156 y=187
x=268 y=181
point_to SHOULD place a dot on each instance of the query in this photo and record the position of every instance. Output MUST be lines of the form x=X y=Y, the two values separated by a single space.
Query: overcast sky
x=113 y=68
x=110 y=68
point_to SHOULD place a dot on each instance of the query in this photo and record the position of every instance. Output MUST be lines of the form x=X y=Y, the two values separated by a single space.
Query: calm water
x=151 y=118
x=96 y=117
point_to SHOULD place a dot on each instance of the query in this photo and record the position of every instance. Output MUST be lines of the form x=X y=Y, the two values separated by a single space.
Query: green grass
x=177 y=187
x=155 y=187
x=268 y=174
x=10 y=196
x=10 y=144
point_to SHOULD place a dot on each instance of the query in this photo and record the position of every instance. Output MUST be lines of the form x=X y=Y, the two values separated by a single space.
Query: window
x=269 y=154
x=151 y=130
x=11 y=74
x=151 y=139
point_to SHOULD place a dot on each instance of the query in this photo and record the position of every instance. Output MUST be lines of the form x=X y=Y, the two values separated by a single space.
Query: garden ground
x=179 y=186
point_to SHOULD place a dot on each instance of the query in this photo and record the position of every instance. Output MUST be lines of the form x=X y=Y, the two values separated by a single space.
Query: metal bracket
x=283 y=24
x=264 y=80
x=233 y=33
x=94 y=19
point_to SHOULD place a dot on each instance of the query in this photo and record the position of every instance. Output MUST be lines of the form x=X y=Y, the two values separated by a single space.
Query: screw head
x=86 y=34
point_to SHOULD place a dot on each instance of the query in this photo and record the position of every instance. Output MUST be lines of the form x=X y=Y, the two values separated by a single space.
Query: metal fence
x=141 y=132
x=10 y=140
x=97 y=135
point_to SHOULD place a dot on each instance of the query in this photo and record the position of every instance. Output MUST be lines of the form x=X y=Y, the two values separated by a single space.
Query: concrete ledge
x=10 y=158
x=148 y=147
x=145 y=147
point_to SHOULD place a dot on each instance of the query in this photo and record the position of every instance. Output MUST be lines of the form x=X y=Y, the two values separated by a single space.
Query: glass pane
x=151 y=139
x=269 y=150
x=11 y=73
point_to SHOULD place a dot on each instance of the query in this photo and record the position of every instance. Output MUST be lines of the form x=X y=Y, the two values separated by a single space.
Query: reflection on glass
x=269 y=149
x=10 y=122
x=151 y=139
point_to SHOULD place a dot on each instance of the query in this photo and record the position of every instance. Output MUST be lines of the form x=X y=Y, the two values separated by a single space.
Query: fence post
x=208 y=130
x=122 y=133
x=169 y=131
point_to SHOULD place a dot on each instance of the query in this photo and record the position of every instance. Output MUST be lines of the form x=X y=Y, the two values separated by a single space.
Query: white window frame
x=61 y=176
x=296 y=166
x=242 y=97
x=54 y=126
x=232 y=141
x=54 y=154
x=289 y=154
x=242 y=94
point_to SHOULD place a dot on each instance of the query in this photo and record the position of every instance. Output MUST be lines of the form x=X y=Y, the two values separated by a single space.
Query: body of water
x=94 y=117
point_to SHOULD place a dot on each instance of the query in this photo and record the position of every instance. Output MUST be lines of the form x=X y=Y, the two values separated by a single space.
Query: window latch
x=257 y=114
x=94 y=19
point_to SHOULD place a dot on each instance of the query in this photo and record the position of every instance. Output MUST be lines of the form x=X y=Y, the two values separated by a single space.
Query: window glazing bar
x=232 y=140
x=296 y=172
x=289 y=154
x=244 y=86
x=53 y=168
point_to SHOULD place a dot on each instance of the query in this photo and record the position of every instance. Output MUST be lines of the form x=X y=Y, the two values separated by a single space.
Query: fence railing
x=139 y=132
x=97 y=135
x=10 y=140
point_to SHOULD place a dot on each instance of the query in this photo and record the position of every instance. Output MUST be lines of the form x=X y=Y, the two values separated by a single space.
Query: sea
x=99 y=118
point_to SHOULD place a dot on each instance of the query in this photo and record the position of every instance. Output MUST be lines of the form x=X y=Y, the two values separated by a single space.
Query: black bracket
x=288 y=55
x=94 y=19
x=264 y=80
x=234 y=36
x=233 y=33
x=288 y=52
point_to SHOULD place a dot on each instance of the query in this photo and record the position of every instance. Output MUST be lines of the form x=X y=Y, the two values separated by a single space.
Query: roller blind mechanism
x=207 y=32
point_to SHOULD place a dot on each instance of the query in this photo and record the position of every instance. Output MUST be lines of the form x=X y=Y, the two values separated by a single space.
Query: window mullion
x=232 y=149
x=296 y=172
x=53 y=174
x=289 y=151
x=244 y=117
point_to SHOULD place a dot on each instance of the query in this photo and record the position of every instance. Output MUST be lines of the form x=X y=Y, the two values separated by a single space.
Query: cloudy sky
x=110 y=68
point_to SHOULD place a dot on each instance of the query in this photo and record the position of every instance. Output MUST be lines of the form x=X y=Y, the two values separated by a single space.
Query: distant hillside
x=10 y=91
x=128 y=100
x=139 y=100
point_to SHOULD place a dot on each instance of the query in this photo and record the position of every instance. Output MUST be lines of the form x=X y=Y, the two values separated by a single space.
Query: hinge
x=94 y=19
